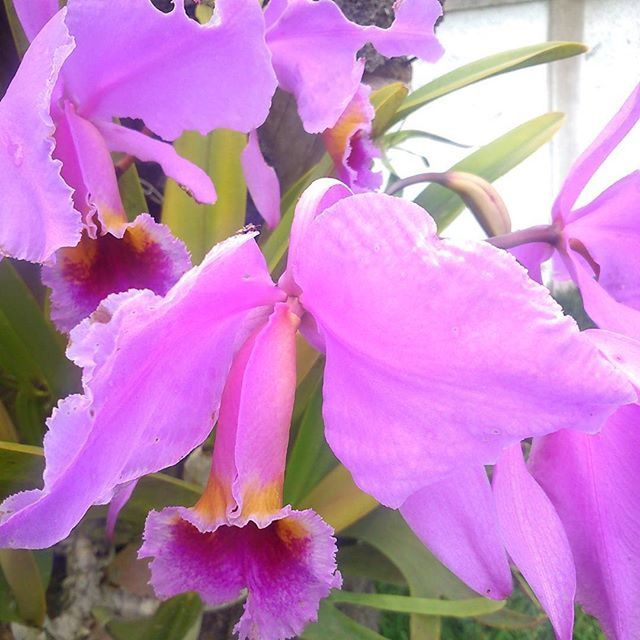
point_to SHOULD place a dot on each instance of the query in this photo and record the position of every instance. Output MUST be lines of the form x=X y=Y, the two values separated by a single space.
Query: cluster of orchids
x=454 y=388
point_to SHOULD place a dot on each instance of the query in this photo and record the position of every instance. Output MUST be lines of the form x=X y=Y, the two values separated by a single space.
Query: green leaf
x=386 y=101
x=490 y=162
x=21 y=468
x=511 y=619
x=25 y=580
x=30 y=347
x=275 y=246
x=486 y=68
x=176 y=619
x=131 y=193
x=364 y=561
x=394 y=138
x=19 y=38
x=424 y=606
x=7 y=430
x=334 y=625
x=310 y=458
x=202 y=226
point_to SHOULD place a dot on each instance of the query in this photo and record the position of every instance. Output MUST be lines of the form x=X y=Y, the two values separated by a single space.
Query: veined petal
x=141 y=356
x=601 y=306
x=609 y=229
x=593 y=482
x=456 y=519
x=349 y=144
x=314 y=50
x=287 y=566
x=531 y=256
x=535 y=539
x=36 y=213
x=133 y=60
x=587 y=164
x=189 y=176
x=88 y=168
x=262 y=181
x=445 y=351
x=34 y=14
x=146 y=256
x=252 y=435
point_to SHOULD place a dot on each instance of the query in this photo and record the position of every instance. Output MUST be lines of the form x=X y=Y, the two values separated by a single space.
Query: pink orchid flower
x=57 y=134
x=597 y=244
x=440 y=355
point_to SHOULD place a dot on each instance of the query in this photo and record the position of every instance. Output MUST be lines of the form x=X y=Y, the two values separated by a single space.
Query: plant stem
x=548 y=233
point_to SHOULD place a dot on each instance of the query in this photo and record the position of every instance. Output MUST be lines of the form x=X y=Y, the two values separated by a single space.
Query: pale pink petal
x=34 y=14
x=349 y=144
x=287 y=567
x=314 y=51
x=535 y=539
x=120 y=498
x=622 y=352
x=593 y=483
x=133 y=60
x=412 y=32
x=609 y=229
x=147 y=256
x=189 y=176
x=36 y=210
x=602 y=307
x=446 y=352
x=587 y=164
x=88 y=168
x=262 y=181
x=456 y=519
x=142 y=356
x=532 y=256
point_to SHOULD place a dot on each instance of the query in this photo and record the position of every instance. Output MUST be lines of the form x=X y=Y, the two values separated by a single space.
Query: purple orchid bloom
x=318 y=64
x=597 y=244
x=238 y=535
x=350 y=146
x=57 y=134
x=414 y=329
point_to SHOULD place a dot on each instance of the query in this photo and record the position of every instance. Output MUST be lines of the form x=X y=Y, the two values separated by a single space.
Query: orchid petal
x=593 y=482
x=323 y=74
x=147 y=256
x=130 y=57
x=609 y=229
x=120 y=498
x=416 y=331
x=189 y=176
x=456 y=519
x=350 y=147
x=34 y=14
x=36 y=214
x=287 y=566
x=622 y=352
x=601 y=306
x=587 y=164
x=262 y=181
x=531 y=256
x=535 y=539
x=160 y=351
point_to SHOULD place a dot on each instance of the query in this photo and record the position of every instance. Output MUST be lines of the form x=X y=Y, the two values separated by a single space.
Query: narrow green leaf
x=275 y=246
x=19 y=38
x=30 y=410
x=310 y=458
x=394 y=138
x=364 y=561
x=334 y=625
x=512 y=620
x=488 y=67
x=424 y=606
x=7 y=430
x=202 y=226
x=21 y=468
x=131 y=193
x=23 y=576
x=338 y=500
x=490 y=162
x=176 y=619
x=26 y=336
x=386 y=101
